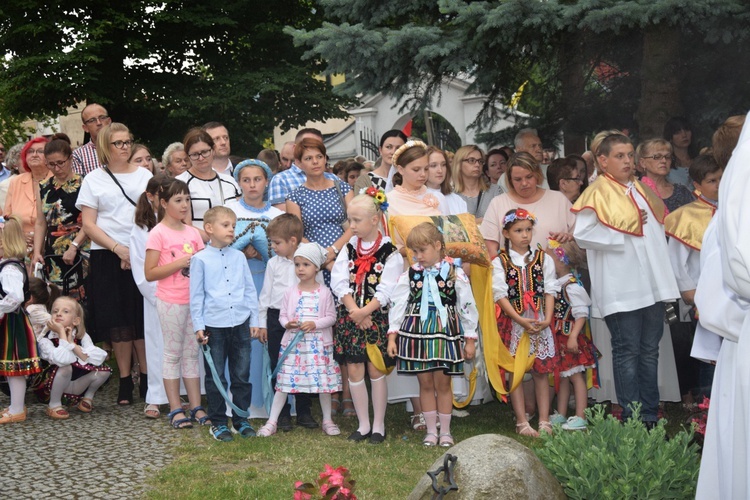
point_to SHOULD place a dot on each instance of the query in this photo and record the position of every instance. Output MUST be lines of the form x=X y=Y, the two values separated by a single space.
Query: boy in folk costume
x=619 y=224
x=685 y=228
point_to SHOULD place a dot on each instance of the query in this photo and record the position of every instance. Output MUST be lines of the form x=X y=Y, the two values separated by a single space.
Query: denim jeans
x=635 y=358
x=232 y=343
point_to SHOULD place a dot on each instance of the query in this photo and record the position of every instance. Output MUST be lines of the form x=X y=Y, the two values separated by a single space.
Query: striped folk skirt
x=18 y=355
x=429 y=345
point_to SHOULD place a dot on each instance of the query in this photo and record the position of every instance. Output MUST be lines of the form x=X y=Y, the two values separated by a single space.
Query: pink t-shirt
x=172 y=245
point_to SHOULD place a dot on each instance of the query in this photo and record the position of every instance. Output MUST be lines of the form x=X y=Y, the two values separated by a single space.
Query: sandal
x=268 y=429
x=330 y=428
x=524 y=429
x=86 y=405
x=179 y=423
x=125 y=392
x=9 y=418
x=430 y=440
x=204 y=420
x=151 y=411
x=335 y=405
x=545 y=426
x=446 y=440
x=418 y=423
x=57 y=413
x=348 y=412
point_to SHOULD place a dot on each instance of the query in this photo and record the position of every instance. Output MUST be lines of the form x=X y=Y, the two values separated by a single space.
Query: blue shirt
x=222 y=293
x=287 y=181
x=4 y=172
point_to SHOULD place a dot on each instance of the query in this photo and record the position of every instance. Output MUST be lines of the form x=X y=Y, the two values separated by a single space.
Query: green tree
x=590 y=64
x=163 y=66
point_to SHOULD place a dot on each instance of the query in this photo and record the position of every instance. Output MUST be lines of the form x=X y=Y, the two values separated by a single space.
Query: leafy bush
x=621 y=460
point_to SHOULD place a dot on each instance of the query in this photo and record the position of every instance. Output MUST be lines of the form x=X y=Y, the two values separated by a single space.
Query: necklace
x=253 y=209
x=375 y=246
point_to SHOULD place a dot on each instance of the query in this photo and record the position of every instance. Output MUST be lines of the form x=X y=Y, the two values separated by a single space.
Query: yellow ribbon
x=376 y=358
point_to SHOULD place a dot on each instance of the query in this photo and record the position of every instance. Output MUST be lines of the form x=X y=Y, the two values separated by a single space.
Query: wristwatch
x=75 y=245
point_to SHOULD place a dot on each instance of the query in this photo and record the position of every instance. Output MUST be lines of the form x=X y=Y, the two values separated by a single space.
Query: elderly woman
x=22 y=189
x=58 y=230
x=107 y=205
x=552 y=208
x=469 y=183
x=175 y=159
x=654 y=158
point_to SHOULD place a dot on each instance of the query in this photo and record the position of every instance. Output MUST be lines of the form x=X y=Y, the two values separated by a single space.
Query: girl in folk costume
x=76 y=366
x=307 y=365
x=575 y=349
x=18 y=353
x=523 y=285
x=432 y=313
x=363 y=277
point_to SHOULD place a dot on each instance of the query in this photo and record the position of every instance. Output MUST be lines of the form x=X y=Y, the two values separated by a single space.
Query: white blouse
x=62 y=355
x=465 y=305
x=394 y=266
x=578 y=299
x=500 y=285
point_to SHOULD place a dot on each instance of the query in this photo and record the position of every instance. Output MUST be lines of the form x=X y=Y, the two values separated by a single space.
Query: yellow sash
x=615 y=206
x=688 y=223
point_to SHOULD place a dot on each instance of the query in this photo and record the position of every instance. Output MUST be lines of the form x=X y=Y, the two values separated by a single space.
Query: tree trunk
x=572 y=79
x=660 y=80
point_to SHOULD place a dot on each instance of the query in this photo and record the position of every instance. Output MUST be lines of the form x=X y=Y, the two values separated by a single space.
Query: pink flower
x=430 y=201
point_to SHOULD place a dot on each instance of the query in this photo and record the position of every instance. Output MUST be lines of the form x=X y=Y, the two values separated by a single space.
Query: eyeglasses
x=122 y=144
x=101 y=118
x=200 y=154
x=58 y=164
x=474 y=161
x=39 y=152
x=659 y=157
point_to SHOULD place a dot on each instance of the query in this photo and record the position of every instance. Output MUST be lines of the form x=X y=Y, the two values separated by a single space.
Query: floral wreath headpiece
x=407 y=145
x=378 y=196
x=519 y=214
x=559 y=251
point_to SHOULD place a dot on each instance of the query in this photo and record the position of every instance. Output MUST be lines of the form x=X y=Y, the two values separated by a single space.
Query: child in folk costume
x=76 y=366
x=523 y=285
x=432 y=314
x=41 y=298
x=575 y=350
x=307 y=365
x=18 y=350
x=363 y=276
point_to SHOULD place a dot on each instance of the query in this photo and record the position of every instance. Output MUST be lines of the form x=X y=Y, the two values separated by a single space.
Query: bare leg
x=563 y=396
x=541 y=387
x=581 y=393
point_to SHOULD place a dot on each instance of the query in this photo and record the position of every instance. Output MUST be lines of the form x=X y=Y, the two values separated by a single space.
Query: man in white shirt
x=222 y=147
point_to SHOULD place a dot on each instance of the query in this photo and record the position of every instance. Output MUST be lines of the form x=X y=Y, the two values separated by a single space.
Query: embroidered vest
x=562 y=315
x=364 y=293
x=514 y=277
x=447 y=288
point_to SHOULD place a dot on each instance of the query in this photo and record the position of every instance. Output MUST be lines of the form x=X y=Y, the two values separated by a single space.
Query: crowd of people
x=290 y=277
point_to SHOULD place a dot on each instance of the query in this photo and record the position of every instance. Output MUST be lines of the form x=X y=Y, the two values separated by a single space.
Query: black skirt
x=115 y=303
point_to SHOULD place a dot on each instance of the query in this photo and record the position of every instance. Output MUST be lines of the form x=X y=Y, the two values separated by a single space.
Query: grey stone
x=493 y=466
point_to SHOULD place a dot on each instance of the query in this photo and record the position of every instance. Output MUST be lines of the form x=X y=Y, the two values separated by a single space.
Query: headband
x=407 y=145
x=252 y=163
x=519 y=214
x=378 y=196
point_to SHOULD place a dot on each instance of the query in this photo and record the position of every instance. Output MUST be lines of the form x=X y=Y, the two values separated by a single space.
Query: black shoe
x=307 y=421
x=125 y=392
x=650 y=425
x=377 y=438
x=285 y=423
x=357 y=436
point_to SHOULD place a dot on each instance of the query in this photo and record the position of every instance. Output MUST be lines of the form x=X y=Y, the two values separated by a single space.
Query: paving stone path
x=109 y=453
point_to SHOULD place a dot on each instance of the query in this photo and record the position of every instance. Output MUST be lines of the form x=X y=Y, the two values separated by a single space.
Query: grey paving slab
x=109 y=453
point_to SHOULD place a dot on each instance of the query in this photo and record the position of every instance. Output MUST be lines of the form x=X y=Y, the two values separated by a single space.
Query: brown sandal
x=86 y=405
x=57 y=413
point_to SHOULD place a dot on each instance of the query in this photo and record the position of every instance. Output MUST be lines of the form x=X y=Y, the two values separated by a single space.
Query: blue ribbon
x=217 y=382
x=268 y=396
x=431 y=293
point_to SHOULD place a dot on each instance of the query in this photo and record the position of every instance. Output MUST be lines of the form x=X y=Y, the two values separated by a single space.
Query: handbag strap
x=119 y=185
x=337 y=183
x=479 y=200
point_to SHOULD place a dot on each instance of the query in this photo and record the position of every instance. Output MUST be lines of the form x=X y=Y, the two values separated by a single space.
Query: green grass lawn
x=268 y=467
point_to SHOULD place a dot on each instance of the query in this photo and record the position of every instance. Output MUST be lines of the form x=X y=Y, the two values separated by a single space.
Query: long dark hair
x=145 y=216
